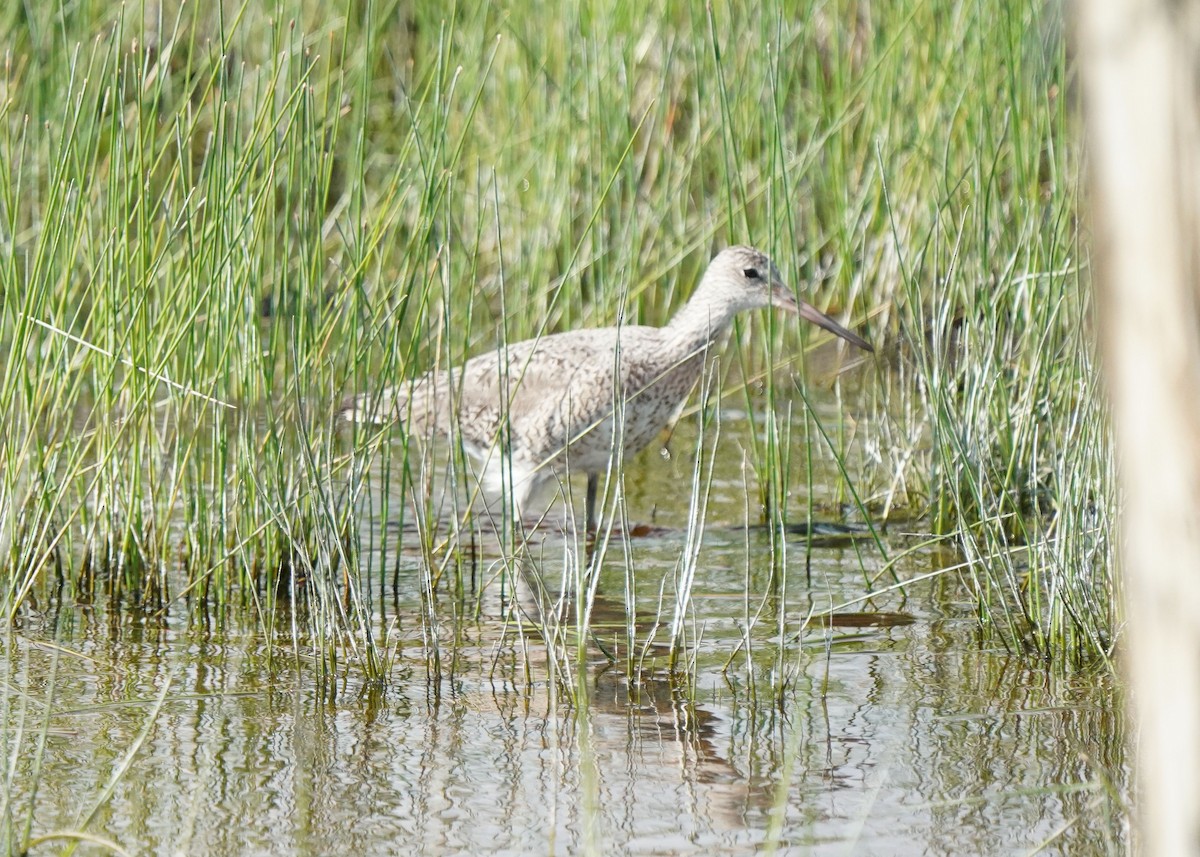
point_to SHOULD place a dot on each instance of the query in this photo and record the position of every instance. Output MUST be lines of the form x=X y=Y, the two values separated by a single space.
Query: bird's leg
x=593 y=484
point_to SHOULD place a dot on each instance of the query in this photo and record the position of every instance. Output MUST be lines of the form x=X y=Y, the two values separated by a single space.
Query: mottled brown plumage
x=551 y=405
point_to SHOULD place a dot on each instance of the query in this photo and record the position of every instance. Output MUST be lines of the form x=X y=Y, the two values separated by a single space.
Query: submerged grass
x=215 y=222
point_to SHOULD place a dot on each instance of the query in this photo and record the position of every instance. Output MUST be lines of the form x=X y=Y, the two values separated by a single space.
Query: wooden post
x=1141 y=86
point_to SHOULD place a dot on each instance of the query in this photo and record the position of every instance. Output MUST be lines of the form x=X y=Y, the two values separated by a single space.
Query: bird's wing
x=544 y=387
x=427 y=403
x=571 y=396
x=566 y=392
x=552 y=390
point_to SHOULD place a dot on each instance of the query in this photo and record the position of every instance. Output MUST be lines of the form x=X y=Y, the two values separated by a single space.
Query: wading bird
x=577 y=402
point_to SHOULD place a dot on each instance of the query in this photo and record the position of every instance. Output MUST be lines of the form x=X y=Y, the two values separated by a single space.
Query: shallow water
x=896 y=730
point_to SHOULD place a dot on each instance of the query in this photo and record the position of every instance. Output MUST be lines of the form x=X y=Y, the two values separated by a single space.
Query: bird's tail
x=378 y=408
x=414 y=403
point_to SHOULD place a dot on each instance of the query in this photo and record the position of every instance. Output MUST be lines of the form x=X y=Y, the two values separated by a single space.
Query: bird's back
x=539 y=397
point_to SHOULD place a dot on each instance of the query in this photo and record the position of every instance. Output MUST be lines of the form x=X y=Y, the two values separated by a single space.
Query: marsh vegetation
x=216 y=221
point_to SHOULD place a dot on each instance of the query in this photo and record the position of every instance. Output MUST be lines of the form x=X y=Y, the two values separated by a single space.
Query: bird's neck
x=700 y=323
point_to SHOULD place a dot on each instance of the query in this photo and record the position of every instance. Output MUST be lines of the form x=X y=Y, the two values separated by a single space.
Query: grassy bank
x=215 y=223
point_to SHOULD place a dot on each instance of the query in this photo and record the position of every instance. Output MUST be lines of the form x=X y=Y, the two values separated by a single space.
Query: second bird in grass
x=576 y=402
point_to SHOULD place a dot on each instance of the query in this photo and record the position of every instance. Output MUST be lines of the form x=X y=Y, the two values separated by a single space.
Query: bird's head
x=747 y=279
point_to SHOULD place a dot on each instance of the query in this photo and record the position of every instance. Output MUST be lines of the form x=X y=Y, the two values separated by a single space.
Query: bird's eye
x=751 y=273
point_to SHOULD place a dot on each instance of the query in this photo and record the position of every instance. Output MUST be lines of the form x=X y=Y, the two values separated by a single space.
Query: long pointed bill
x=782 y=298
x=808 y=312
